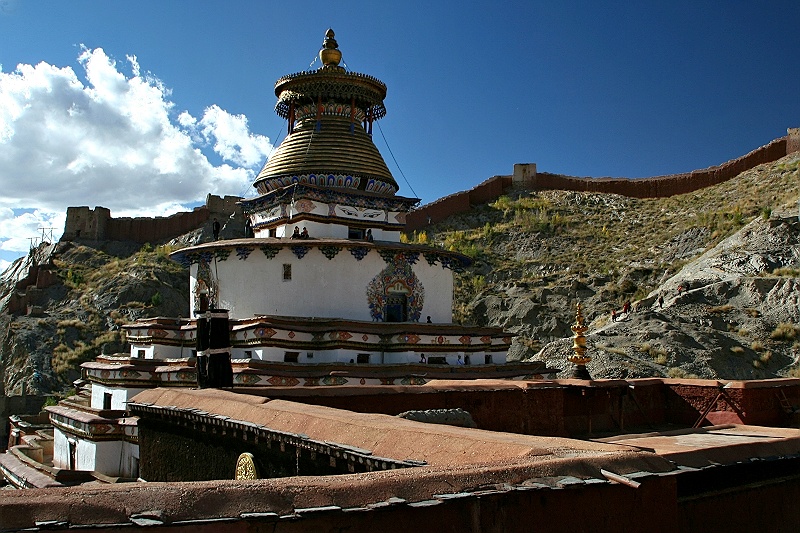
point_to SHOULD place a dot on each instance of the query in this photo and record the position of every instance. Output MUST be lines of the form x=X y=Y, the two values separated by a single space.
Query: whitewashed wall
x=130 y=460
x=104 y=456
x=119 y=396
x=161 y=351
x=319 y=287
x=60 y=449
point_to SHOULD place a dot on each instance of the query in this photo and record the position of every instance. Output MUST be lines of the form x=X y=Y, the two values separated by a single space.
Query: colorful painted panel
x=333 y=380
x=321 y=179
x=264 y=332
x=283 y=381
x=397 y=278
x=246 y=379
x=206 y=285
x=334 y=196
x=304 y=206
x=413 y=380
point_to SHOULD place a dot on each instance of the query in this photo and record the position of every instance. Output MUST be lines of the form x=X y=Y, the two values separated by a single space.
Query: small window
x=106 y=400
x=355 y=233
x=248 y=354
x=310 y=355
x=363 y=359
x=140 y=354
x=273 y=232
x=290 y=357
x=287 y=272
x=487 y=359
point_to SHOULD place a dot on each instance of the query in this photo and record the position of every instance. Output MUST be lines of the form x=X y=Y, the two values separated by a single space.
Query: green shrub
x=50 y=401
x=156 y=299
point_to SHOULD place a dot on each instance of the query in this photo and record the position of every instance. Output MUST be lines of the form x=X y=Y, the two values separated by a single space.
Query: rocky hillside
x=83 y=292
x=78 y=315
x=732 y=248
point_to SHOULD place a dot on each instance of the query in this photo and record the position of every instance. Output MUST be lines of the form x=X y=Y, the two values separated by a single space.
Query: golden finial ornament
x=246 y=467
x=579 y=359
x=329 y=55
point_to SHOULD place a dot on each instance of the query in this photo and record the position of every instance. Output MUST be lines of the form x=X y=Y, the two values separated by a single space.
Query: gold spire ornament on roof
x=330 y=112
x=330 y=55
x=246 y=467
x=579 y=346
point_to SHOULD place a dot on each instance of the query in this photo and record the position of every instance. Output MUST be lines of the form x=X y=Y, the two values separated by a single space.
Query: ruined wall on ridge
x=526 y=177
x=98 y=225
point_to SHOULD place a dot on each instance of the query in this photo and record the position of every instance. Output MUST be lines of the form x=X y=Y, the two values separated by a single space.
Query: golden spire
x=579 y=346
x=329 y=55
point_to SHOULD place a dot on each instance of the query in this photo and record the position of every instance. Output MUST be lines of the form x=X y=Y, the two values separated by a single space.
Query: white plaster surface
x=320 y=287
x=119 y=396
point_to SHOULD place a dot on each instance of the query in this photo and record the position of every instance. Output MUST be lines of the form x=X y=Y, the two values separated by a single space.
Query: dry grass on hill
x=543 y=237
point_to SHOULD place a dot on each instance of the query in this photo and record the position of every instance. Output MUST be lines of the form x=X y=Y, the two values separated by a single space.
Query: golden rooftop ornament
x=246 y=467
x=579 y=346
x=330 y=55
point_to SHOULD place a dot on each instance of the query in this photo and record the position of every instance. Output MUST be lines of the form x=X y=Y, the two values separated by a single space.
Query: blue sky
x=145 y=107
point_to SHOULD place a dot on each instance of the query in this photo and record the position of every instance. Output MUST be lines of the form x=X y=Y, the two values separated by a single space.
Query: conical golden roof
x=330 y=113
x=331 y=155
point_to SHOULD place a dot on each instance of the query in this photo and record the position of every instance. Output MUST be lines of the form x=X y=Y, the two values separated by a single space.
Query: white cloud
x=19 y=228
x=232 y=139
x=112 y=140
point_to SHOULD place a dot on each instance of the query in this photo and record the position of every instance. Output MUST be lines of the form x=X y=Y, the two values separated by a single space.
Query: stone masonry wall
x=526 y=177
x=98 y=225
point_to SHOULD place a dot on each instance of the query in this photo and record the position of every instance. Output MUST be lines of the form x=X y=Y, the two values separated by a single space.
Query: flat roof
x=383 y=435
x=715 y=445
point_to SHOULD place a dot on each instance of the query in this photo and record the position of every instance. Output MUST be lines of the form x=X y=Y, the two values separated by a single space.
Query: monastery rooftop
x=660 y=480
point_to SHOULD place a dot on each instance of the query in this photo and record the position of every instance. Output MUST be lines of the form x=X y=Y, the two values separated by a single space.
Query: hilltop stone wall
x=459 y=202
x=98 y=225
x=527 y=178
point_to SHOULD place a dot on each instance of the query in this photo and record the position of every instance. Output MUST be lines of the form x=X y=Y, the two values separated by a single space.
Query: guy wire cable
x=395 y=160
x=274 y=145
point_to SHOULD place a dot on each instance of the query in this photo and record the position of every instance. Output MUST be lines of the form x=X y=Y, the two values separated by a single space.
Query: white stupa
x=325 y=278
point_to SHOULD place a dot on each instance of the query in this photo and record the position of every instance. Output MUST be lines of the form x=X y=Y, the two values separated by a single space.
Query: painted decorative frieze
x=206 y=284
x=397 y=278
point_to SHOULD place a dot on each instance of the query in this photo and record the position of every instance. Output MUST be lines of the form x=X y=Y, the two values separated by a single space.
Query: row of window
x=352 y=233
x=293 y=357
x=362 y=358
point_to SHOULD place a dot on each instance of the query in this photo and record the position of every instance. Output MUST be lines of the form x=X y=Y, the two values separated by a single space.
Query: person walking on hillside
x=613 y=315
x=660 y=301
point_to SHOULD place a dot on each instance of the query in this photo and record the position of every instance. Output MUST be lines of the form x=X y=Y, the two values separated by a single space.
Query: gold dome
x=333 y=152
x=329 y=142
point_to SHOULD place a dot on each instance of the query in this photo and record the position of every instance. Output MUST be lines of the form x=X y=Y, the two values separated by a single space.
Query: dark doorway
x=396 y=308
